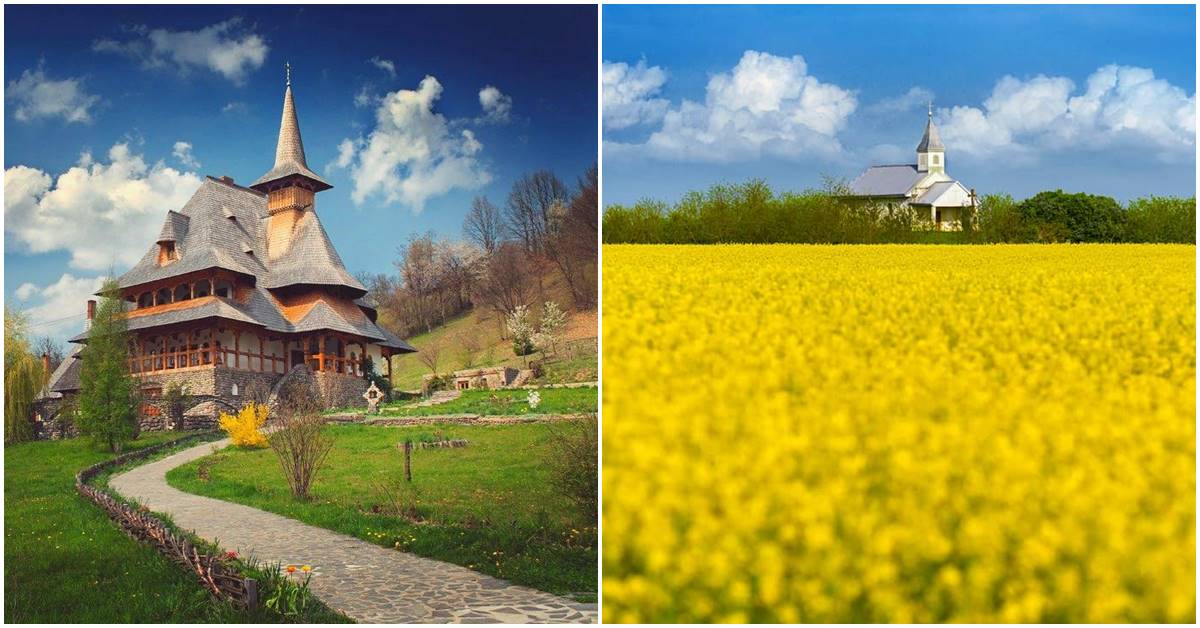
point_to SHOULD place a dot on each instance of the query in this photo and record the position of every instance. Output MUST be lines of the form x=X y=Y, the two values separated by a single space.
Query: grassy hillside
x=576 y=362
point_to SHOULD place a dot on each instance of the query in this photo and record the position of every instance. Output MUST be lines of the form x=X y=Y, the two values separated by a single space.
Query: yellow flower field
x=899 y=433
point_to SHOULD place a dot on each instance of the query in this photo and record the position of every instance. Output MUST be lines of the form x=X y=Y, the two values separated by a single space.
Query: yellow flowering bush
x=245 y=428
x=899 y=433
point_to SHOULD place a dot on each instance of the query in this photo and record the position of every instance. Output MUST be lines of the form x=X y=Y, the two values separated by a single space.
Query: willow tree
x=108 y=397
x=23 y=378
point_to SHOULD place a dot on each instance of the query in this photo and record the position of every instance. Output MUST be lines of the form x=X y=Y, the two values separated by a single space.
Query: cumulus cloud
x=383 y=64
x=630 y=94
x=765 y=106
x=496 y=105
x=58 y=309
x=226 y=48
x=103 y=214
x=1119 y=106
x=183 y=152
x=411 y=155
x=36 y=95
x=913 y=98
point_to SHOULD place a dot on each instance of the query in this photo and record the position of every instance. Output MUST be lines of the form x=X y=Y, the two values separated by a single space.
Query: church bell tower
x=290 y=186
x=931 y=153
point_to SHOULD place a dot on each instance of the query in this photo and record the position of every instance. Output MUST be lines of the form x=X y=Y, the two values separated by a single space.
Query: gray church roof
x=64 y=377
x=289 y=151
x=932 y=140
x=894 y=180
x=934 y=192
x=205 y=238
x=311 y=260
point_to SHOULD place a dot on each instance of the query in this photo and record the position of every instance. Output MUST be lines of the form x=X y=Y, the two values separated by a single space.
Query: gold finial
x=287 y=67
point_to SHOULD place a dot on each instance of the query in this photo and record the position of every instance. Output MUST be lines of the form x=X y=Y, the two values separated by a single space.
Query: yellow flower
x=306 y=568
x=899 y=433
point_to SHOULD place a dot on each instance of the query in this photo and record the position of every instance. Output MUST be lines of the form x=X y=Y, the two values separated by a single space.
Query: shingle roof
x=174 y=227
x=932 y=140
x=205 y=237
x=311 y=260
x=214 y=307
x=289 y=151
x=894 y=180
x=63 y=378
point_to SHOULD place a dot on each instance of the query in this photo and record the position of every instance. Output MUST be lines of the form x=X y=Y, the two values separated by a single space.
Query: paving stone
x=367 y=582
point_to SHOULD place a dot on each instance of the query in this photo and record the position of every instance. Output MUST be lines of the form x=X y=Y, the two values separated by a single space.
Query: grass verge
x=489 y=506
x=506 y=402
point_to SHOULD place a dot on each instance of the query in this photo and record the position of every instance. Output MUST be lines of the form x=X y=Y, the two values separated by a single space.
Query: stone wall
x=341 y=391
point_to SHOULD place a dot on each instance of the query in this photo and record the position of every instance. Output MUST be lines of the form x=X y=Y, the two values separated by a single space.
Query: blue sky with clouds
x=1085 y=98
x=113 y=116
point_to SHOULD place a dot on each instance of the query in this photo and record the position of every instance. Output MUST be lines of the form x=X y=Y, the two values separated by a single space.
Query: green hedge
x=752 y=213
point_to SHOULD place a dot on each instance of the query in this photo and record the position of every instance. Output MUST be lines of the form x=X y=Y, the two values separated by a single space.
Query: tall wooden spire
x=290 y=162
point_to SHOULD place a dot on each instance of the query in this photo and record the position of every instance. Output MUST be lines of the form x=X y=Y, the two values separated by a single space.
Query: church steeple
x=931 y=154
x=290 y=168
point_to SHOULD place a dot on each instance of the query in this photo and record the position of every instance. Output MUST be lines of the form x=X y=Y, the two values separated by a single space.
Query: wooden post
x=251 y=593
x=321 y=348
x=408 y=460
x=237 y=349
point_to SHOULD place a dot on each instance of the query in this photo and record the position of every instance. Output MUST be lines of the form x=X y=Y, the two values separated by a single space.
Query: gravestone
x=373 y=397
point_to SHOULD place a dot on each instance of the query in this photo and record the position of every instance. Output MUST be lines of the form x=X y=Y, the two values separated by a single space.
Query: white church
x=924 y=186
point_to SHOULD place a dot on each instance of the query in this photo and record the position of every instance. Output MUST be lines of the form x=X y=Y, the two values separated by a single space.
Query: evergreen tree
x=108 y=399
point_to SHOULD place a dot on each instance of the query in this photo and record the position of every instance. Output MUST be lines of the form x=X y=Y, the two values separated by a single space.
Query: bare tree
x=469 y=342
x=527 y=213
x=483 y=224
x=47 y=346
x=505 y=280
x=299 y=442
x=571 y=240
x=429 y=355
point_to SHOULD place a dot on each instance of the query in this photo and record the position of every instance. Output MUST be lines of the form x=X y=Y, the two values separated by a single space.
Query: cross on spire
x=931 y=109
x=287 y=68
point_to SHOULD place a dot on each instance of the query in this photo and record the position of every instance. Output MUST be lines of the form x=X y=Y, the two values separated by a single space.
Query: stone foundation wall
x=341 y=391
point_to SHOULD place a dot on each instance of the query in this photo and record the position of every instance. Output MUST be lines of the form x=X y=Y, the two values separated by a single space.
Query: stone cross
x=373 y=397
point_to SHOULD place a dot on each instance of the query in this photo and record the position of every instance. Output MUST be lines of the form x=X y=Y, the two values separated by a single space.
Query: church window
x=936 y=160
x=234 y=391
x=163 y=296
x=183 y=292
x=201 y=289
x=145 y=299
x=224 y=289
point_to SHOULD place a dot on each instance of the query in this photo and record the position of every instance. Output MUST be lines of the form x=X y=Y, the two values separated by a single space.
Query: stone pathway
x=437 y=398
x=367 y=582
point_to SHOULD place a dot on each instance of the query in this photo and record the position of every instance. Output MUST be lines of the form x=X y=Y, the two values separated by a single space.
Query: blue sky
x=1085 y=98
x=136 y=104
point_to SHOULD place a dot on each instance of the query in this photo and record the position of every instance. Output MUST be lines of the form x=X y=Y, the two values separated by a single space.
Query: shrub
x=550 y=328
x=301 y=446
x=23 y=377
x=1158 y=219
x=574 y=461
x=245 y=428
x=176 y=399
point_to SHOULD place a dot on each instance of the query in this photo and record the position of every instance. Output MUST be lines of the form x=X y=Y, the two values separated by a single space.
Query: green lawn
x=65 y=561
x=488 y=506
x=506 y=402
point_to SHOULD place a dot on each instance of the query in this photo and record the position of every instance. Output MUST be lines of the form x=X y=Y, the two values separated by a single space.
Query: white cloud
x=411 y=155
x=26 y=290
x=765 y=106
x=366 y=96
x=183 y=152
x=104 y=215
x=48 y=306
x=235 y=106
x=630 y=94
x=385 y=65
x=913 y=98
x=225 y=48
x=496 y=105
x=35 y=95
x=1120 y=106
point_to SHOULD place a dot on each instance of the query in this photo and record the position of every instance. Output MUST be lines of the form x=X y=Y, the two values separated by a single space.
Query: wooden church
x=242 y=287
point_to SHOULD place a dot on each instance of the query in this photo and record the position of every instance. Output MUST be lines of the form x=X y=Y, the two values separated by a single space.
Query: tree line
x=752 y=213
x=506 y=253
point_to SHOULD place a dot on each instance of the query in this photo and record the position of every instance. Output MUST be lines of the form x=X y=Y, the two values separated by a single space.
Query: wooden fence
x=215 y=572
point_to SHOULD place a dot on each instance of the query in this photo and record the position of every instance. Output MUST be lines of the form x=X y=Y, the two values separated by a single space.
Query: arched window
x=202 y=288
x=163 y=296
x=224 y=289
x=145 y=299
x=183 y=292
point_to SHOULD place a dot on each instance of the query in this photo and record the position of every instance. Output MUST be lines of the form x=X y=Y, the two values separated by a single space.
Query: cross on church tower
x=287 y=68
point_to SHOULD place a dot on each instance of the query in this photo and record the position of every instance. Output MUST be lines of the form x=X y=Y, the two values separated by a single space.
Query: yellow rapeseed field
x=899 y=433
